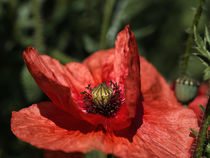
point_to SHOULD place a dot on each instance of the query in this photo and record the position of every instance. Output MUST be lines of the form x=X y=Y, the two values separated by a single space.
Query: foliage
x=204 y=54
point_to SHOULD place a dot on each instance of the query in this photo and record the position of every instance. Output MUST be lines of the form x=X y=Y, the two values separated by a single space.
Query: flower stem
x=38 y=25
x=202 y=133
x=190 y=38
x=106 y=20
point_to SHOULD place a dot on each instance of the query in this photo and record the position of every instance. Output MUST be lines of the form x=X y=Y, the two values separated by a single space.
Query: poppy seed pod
x=186 y=89
x=102 y=94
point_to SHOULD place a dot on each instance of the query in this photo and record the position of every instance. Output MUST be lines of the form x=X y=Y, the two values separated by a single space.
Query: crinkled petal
x=46 y=126
x=80 y=76
x=51 y=77
x=100 y=64
x=59 y=83
x=164 y=132
x=127 y=69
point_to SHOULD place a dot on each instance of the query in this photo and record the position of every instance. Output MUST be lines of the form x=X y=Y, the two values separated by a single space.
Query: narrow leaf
x=203 y=59
x=198 y=40
x=194 y=132
x=202 y=108
x=207 y=35
x=207 y=73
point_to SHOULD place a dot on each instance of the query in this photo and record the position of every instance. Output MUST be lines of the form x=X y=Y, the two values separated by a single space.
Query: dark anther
x=104 y=99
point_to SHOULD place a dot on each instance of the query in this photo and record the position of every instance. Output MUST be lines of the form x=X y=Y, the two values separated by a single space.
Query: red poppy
x=126 y=109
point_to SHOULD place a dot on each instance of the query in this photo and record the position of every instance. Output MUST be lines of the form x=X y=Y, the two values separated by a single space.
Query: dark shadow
x=61 y=154
x=136 y=123
x=63 y=119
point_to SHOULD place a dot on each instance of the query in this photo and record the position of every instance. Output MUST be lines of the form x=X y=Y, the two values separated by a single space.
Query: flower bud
x=186 y=89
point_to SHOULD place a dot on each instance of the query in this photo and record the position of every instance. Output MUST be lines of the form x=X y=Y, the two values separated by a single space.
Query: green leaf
x=207 y=35
x=208 y=148
x=199 y=42
x=202 y=108
x=31 y=89
x=204 y=60
x=206 y=73
x=194 y=132
x=203 y=52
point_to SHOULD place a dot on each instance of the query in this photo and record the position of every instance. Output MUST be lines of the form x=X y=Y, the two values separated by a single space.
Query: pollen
x=104 y=99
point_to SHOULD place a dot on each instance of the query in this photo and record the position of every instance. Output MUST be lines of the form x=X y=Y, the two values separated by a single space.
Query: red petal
x=100 y=64
x=127 y=69
x=164 y=132
x=51 y=77
x=202 y=98
x=46 y=126
x=153 y=85
x=56 y=81
x=80 y=76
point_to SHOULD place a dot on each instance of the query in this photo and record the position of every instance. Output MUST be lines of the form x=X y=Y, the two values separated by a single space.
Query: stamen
x=103 y=99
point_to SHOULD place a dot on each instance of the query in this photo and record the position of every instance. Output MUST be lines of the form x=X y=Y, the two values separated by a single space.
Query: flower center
x=102 y=94
x=104 y=99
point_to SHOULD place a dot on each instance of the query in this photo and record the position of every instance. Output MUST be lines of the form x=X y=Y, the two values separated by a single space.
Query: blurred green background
x=71 y=30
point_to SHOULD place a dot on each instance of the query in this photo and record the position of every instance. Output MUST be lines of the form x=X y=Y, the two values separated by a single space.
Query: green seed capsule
x=186 y=89
x=102 y=94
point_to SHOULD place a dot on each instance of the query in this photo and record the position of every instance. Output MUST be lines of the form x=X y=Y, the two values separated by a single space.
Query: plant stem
x=38 y=25
x=12 y=16
x=106 y=20
x=202 y=133
x=190 y=38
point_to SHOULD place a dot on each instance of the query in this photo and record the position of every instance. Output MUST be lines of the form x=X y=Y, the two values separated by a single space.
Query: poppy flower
x=114 y=101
